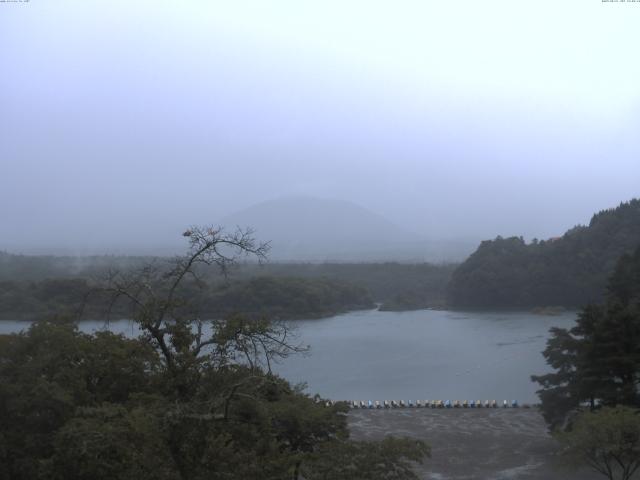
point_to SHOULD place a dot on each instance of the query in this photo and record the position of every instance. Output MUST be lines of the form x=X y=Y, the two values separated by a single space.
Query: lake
x=424 y=354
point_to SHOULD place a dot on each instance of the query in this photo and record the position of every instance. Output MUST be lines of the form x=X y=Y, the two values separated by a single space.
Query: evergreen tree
x=598 y=361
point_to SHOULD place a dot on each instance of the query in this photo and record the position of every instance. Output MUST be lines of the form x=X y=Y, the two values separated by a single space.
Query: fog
x=124 y=122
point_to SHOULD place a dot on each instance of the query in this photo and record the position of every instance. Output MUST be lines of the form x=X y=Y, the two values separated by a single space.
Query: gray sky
x=124 y=121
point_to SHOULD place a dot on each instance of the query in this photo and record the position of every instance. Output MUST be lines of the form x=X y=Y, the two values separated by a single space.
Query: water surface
x=422 y=354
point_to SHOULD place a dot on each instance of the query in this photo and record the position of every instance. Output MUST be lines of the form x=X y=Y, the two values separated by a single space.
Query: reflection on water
x=410 y=355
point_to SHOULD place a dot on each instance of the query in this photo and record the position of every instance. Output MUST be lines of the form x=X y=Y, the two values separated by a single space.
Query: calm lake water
x=425 y=354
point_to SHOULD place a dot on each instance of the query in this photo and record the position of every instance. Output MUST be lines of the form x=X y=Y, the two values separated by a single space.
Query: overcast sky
x=123 y=121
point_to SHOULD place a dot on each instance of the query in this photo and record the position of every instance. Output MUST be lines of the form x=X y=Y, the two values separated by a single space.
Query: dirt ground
x=492 y=444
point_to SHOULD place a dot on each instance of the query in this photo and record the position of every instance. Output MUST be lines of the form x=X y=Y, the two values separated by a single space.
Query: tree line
x=569 y=271
x=274 y=297
x=31 y=287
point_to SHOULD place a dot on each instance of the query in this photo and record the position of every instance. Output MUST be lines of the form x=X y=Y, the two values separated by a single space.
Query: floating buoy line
x=392 y=404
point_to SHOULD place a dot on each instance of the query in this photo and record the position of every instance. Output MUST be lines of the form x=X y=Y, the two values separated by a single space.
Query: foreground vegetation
x=607 y=440
x=591 y=400
x=189 y=399
x=597 y=362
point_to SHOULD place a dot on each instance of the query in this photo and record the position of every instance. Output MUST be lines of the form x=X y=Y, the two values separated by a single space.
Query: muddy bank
x=491 y=444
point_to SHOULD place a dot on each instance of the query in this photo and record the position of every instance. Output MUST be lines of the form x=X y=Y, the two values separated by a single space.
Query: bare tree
x=170 y=322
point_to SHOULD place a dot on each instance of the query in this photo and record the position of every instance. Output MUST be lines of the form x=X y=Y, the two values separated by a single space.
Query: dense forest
x=273 y=297
x=285 y=297
x=397 y=286
x=32 y=286
x=569 y=271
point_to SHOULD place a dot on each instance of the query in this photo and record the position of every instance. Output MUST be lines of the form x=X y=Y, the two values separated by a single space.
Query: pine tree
x=597 y=362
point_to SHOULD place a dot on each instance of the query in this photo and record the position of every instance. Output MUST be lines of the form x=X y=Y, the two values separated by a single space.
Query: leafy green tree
x=607 y=440
x=598 y=360
x=389 y=459
x=50 y=371
x=111 y=441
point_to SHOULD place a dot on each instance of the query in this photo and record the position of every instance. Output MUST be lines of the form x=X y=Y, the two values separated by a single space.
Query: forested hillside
x=571 y=270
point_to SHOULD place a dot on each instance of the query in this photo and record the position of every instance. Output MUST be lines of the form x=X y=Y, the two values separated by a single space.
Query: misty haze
x=319 y=240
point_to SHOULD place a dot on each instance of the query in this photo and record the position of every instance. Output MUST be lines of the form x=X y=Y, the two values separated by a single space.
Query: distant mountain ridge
x=571 y=270
x=304 y=228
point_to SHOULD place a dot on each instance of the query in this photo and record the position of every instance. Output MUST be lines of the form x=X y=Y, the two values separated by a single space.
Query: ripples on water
x=423 y=354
